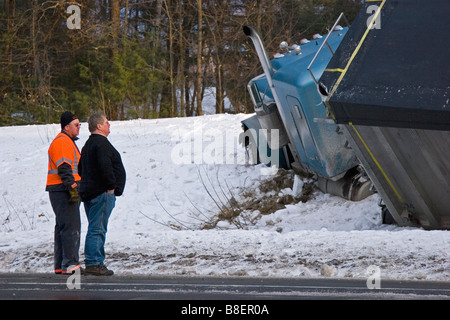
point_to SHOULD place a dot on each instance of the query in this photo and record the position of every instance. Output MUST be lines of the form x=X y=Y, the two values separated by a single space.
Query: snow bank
x=180 y=174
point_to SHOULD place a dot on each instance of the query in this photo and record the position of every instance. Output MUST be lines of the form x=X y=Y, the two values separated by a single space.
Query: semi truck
x=364 y=109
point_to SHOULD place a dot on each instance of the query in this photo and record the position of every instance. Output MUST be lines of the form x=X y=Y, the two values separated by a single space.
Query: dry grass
x=254 y=203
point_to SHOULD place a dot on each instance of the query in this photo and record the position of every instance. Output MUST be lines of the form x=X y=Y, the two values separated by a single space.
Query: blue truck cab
x=287 y=101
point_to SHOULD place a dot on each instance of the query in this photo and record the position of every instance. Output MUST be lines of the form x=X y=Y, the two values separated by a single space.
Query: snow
x=183 y=172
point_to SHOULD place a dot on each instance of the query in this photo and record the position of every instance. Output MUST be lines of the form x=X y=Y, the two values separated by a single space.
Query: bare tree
x=199 y=57
x=141 y=58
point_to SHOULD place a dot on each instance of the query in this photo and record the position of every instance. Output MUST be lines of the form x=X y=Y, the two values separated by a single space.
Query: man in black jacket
x=102 y=179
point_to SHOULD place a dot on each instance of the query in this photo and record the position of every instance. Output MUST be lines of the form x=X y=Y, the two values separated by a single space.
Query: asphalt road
x=60 y=287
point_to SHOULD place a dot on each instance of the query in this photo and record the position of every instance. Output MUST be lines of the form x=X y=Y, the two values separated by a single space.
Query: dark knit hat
x=66 y=118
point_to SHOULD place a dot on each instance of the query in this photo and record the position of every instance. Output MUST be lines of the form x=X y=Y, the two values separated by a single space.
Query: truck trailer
x=364 y=109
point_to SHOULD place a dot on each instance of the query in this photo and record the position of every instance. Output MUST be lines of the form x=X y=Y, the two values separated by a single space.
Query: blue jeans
x=98 y=211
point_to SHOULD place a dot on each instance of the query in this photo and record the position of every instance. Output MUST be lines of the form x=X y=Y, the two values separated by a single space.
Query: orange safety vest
x=62 y=150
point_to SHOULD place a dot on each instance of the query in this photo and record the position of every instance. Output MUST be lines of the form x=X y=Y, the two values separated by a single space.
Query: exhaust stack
x=261 y=51
x=269 y=72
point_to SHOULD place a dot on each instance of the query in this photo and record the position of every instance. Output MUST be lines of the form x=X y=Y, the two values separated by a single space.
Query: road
x=53 y=287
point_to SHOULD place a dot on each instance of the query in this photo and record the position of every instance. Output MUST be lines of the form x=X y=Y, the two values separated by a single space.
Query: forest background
x=142 y=58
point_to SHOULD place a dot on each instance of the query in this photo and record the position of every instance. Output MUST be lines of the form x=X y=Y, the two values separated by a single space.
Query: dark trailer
x=388 y=86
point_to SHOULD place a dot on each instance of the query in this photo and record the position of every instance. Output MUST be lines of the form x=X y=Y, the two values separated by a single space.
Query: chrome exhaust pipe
x=261 y=51
x=269 y=72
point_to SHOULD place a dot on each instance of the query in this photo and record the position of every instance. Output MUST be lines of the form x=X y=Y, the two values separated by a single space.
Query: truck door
x=303 y=131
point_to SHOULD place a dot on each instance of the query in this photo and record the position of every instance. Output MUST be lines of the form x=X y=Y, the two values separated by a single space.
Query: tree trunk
x=171 y=61
x=199 y=58
x=115 y=23
x=219 y=90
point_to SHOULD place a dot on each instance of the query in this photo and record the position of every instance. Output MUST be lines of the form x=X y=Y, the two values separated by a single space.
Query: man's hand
x=110 y=191
x=74 y=196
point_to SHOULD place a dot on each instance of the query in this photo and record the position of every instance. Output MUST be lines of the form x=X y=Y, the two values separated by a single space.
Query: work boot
x=98 y=270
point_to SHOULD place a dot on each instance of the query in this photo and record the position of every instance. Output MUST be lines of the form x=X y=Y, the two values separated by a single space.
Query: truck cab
x=292 y=119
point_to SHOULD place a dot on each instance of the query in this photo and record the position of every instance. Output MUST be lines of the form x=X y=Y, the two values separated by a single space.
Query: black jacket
x=100 y=168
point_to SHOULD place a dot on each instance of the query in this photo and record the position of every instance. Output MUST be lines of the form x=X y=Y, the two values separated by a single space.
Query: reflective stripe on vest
x=52 y=174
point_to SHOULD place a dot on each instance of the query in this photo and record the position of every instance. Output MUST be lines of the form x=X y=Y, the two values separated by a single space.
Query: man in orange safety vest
x=62 y=185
